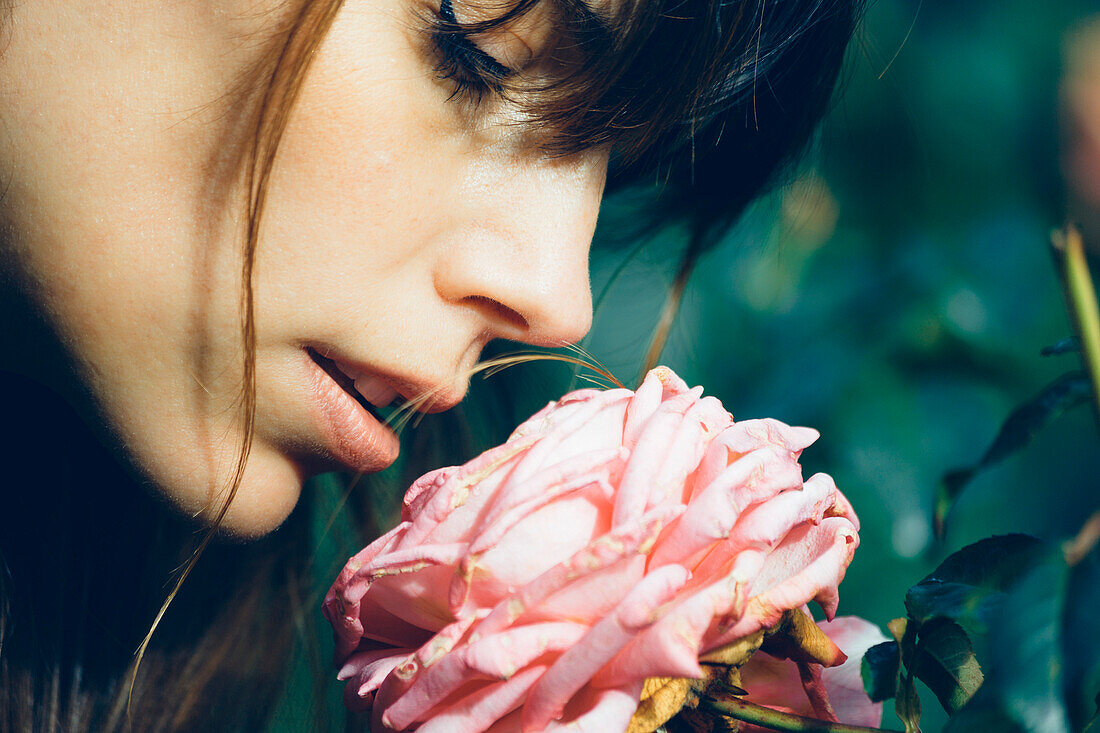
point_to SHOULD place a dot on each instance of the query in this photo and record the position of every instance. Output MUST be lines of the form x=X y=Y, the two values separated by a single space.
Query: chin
x=268 y=493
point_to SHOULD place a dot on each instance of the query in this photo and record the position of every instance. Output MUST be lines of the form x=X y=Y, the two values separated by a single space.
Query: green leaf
x=945 y=661
x=952 y=609
x=906 y=699
x=995 y=562
x=1042 y=650
x=907 y=705
x=970 y=584
x=968 y=605
x=879 y=671
x=1064 y=393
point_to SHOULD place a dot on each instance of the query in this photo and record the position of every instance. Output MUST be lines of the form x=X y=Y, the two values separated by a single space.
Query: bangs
x=658 y=81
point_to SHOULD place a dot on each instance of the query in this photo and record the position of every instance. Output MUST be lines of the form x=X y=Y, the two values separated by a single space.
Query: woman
x=226 y=319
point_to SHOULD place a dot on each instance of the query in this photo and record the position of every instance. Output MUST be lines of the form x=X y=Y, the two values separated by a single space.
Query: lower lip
x=353 y=436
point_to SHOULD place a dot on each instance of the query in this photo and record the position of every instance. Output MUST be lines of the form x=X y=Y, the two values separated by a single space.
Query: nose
x=516 y=255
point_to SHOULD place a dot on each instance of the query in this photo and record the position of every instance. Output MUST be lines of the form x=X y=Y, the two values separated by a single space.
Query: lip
x=352 y=435
x=422 y=395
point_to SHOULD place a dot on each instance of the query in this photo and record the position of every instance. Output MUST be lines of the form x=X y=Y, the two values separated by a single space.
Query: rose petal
x=563 y=524
x=808 y=565
x=702 y=422
x=366 y=672
x=478 y=711
x=746 y=436
x=671 y=646
x=659 y=384
x=648 y=456
x=620 y=543
x=711 y=516
x=576 y=665
x=449 y=514
x=582 y=426
x=422 y=490
x=495 y=657
x=598 y=711
x=605 y=463
x=412 y=584
x=615 y=536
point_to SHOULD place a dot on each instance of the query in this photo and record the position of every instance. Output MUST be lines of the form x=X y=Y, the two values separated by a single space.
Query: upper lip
x=426 y=395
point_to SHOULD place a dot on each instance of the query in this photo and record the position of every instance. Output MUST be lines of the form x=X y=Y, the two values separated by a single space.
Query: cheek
x=117 y=174
x=365 y=162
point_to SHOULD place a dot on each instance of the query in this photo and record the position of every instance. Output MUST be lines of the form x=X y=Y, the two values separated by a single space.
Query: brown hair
x=231 y=657
x=285 y=83
x=655 y=80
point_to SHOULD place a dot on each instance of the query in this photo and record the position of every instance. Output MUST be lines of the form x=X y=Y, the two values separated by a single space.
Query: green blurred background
x=895 y=296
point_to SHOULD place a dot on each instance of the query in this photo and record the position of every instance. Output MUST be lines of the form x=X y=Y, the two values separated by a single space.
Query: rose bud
x=616 y=536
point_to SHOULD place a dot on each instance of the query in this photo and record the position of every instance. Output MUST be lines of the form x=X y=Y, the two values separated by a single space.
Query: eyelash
x=473 y=72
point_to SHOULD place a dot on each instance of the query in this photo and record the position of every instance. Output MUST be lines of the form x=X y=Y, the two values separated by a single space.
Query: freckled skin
x=402 y=230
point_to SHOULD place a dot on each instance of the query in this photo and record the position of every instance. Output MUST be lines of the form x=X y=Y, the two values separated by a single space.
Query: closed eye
x=473 y=71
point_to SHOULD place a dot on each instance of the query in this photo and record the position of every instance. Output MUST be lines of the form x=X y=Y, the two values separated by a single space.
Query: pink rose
x=776 y=682
x=615 y=536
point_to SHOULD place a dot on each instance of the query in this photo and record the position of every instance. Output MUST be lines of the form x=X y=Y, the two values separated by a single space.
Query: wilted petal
x=775 y=682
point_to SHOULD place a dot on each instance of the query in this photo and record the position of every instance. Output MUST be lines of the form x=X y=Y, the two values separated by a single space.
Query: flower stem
x=1069 y=252
x=777 y=720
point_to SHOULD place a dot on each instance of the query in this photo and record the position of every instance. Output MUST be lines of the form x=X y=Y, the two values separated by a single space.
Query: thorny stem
x=777 y=720
x=1069 y=252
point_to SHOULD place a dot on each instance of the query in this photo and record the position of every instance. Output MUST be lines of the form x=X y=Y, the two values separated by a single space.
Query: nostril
x=497 y=312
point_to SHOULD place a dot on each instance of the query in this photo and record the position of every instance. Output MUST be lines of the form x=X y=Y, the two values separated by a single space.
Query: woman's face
x=403 y=230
